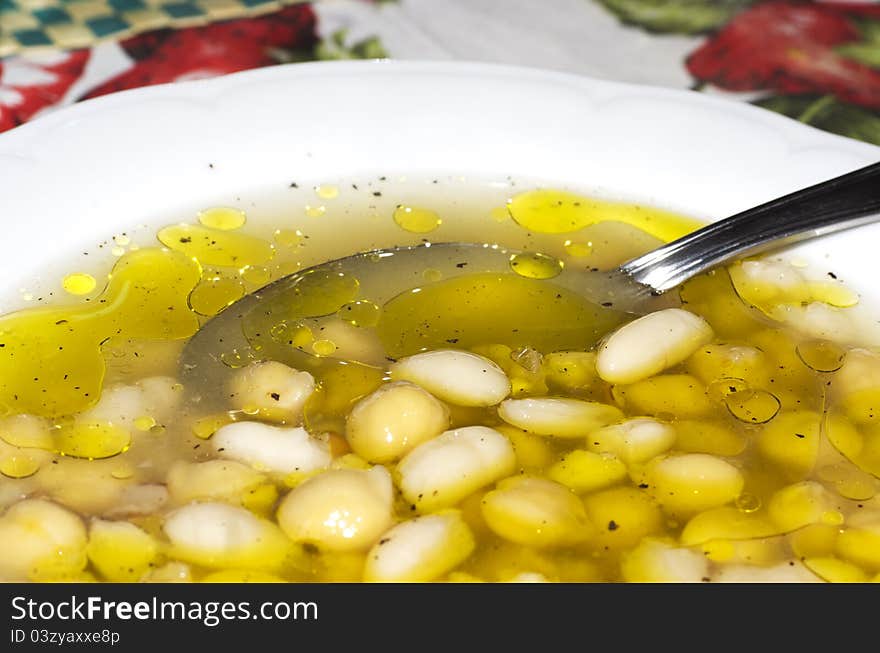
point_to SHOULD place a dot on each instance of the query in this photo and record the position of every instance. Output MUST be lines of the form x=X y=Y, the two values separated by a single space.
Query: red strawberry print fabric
x=790 y=48
x=170 y=55
x=815 y=61
x=30 y=84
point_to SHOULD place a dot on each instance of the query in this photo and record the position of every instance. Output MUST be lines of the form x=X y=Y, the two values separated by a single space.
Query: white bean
x=528 y=577
x=11 y=493
x=276 y=391
x=241 y=576
x=651 y=344
x=120 y=551
x=867 y=519
x=219 y=535
x=420 y=550
x=271 y=448
x=859 y=542
x=860 y=371
x=459 y=377
x=351 y=343
x=121 y=405
x=161 y=394
x=26 y=431
x=791 y=571
x=769 y=278
x=558 y=416
x=586 y=471
x=21 y=462
x=443 y=471
x=798 y=505
x=142 y=499
x=536 y=512
x=822 y=321
x=718 y=361
x=212 y=480
x=170 y=572
x=87 y=486
x=690 y=483
x=339 y=510
x=634 y=440
x=394 y=420
x=40 y=538
x=655 y=561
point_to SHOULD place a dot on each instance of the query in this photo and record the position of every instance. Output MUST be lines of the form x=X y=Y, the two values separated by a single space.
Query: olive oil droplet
x=79 y=283
x=327 y=192
x=144 y=423
x=93 y=441
x=205 y=427
x=236 y=359
x=578 y=249
x=211 y=246
x=747 y=502
x=752 y=406
x=213 y=295
x=122 y=471
x=416 y=220
x=535 y=266
x=821 y=355
x=223 y=218
x=324 y=347
x=361 y=313
x=431 y=275
x=256 y=275
x=499 y=214
x=288 y=237
x=19 y=466
x=557 y=212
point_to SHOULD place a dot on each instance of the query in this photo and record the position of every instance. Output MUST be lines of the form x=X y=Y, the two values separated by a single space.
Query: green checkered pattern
x=70 y=24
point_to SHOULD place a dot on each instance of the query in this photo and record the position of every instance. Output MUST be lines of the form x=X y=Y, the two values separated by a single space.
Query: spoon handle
x=840 y=203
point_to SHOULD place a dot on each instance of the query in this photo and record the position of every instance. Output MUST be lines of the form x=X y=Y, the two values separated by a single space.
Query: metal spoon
x=253 y=328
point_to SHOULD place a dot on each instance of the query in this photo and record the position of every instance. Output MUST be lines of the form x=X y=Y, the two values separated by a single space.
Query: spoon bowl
x=410 y=298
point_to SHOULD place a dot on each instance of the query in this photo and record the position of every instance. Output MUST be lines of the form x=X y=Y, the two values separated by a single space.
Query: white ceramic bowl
x=87 y=172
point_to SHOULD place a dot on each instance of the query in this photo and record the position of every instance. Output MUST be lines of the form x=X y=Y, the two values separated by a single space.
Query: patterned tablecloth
x=816 y=61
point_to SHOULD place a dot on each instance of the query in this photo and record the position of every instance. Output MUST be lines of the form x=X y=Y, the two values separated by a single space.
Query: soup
x=474 y=427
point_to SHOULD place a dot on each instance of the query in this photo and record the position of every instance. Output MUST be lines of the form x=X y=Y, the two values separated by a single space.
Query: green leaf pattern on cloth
x=675 y=16
x=829 y=114
x=868 y=50
x=335 y=47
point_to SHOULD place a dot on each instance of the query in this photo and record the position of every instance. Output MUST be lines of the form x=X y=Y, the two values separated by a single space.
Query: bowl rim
x=31 y=132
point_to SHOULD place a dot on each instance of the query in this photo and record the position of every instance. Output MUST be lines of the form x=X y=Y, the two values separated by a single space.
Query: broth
x=490 y=427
